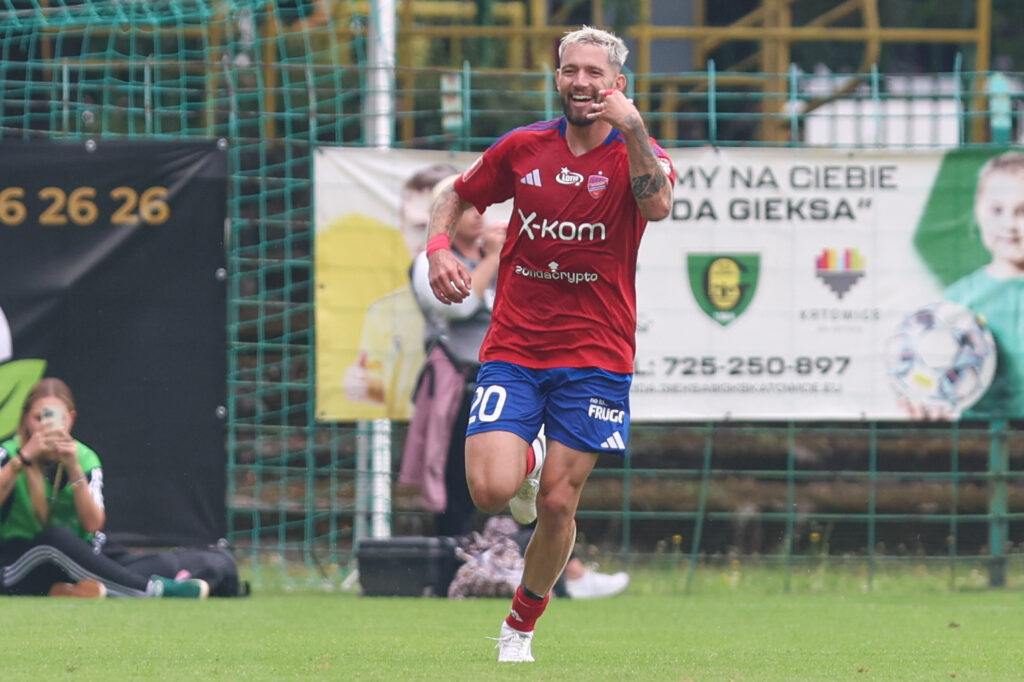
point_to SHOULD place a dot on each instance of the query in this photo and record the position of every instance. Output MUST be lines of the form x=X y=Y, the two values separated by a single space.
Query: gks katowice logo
x=723 y=284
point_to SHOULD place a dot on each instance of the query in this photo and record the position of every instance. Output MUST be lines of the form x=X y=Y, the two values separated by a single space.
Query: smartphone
x=52 y=417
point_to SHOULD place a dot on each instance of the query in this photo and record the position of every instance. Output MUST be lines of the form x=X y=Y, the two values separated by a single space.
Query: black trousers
x=31 y=567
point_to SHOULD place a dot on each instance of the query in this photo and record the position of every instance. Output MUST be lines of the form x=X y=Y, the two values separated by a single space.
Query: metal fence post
x=702 y=503
x=790 y=500
x=954 y=501
x=872 y=502
x=712 y=105
x=627 y=504
x=998 y=468
x=1000 y=108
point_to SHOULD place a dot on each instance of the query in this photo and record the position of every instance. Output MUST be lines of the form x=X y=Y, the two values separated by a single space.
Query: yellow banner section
x=371 y=210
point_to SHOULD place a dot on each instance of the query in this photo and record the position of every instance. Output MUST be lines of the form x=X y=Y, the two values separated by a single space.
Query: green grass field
x=904 y=629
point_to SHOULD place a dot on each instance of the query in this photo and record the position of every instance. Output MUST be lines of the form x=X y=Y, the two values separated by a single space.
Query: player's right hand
x=449 y=279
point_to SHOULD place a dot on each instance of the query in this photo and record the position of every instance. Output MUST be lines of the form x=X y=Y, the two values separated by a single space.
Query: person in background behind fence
x=434 y=458
x=561 y=345
x=51 y=505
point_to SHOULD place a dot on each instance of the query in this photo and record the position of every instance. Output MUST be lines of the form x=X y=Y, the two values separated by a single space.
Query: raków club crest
x=596 y=185
x=723 y=284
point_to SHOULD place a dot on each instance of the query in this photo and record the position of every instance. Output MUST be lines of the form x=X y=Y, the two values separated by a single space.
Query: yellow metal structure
x=528 y=31
x=527 y=23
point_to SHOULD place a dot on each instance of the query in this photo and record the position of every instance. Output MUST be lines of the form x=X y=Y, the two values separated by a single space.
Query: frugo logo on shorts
x=560 y=230
x=602 y=412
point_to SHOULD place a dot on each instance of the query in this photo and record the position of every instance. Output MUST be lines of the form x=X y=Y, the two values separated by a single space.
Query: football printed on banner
x=723 y=284
x=941 y=357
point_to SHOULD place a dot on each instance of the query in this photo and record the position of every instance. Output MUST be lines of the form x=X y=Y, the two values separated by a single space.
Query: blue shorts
x=584 y=408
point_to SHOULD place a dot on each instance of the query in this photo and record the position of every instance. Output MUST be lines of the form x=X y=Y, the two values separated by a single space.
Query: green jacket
x=18 y=520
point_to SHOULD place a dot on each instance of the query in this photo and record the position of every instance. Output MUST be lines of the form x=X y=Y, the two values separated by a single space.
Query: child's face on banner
x=1000 y=213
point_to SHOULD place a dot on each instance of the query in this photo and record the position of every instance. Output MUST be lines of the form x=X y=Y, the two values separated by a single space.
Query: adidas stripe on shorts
x=584 y=408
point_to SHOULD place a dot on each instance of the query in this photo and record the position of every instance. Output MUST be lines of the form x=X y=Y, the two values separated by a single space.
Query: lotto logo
x=568 y=177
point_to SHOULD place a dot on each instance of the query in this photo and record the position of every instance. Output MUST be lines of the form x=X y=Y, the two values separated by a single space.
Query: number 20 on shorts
x=487 y=403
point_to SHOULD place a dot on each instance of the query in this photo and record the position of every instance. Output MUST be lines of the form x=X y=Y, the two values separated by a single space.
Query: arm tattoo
x=647 y=185
x=446 y=213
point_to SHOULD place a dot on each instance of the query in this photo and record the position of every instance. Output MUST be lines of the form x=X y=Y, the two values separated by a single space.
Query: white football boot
x=524 y=504
x=514 y=646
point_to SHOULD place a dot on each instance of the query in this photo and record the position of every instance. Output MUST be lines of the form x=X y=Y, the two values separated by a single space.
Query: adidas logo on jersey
x=614 y=442
x=532 y=178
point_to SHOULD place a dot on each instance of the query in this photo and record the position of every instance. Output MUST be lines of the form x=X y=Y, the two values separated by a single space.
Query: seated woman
x=51 y=505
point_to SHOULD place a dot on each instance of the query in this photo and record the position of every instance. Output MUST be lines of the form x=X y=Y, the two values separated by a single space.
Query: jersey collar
x=613 y=135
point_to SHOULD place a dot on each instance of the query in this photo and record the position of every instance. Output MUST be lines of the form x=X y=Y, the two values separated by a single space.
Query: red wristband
x=438 y=242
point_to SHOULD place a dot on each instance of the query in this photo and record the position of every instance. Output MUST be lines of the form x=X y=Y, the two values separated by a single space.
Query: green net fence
x=241 y=72
x=275 y=80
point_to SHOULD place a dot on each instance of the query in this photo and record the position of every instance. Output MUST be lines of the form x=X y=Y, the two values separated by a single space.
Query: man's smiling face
x=584 y=73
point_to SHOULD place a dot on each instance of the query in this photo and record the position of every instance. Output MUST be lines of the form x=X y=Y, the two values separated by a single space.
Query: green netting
x=273 y=83
x=236 y=71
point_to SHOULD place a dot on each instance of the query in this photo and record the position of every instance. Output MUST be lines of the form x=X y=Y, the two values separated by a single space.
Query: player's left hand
x=615 y=108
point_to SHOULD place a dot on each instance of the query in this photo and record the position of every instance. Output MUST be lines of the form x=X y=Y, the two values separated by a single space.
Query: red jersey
x=566 y=292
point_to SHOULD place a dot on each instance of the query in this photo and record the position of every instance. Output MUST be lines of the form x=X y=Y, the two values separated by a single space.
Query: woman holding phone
x=51 y=505
x=69 y=470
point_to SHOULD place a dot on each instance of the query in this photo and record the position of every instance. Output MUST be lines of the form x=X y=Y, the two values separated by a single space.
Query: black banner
x=112 y=272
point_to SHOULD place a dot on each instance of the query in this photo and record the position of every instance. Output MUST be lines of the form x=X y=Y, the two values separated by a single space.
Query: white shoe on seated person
x=524 y=505
x=593 y=584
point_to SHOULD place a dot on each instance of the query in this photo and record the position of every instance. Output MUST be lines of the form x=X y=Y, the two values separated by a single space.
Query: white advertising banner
x=796 y=284
x=781 y=285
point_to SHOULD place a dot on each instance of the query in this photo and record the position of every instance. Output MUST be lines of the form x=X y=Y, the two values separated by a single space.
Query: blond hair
x=440 y=187
x=588 y=35
x=1007 y=162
